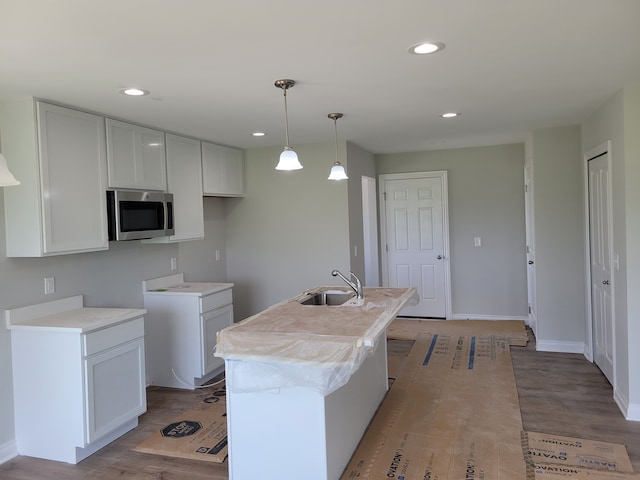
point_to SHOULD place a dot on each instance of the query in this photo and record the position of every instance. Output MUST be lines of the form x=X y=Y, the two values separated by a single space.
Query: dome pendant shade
x=337 y=172
x=6 y=177
x=288 y=160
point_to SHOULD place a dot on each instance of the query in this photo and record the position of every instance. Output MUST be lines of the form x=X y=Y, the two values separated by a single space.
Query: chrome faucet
x=357 y=285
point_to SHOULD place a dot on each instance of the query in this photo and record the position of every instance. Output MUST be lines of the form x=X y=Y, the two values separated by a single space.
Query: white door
x=415 y=239
x=600 y=263
x=530 y=247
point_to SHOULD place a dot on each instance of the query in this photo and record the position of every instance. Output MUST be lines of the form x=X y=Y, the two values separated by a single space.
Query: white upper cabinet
x=135 y=157
x=58 y=154
x=222 y=171
x=184 y=179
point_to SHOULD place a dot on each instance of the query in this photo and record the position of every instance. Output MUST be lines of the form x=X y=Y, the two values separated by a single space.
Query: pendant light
x=6 y=177
x=288 y=157
x=337 y=170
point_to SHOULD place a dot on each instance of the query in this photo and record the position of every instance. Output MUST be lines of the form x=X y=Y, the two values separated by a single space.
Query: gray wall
x=618 y=120
x=559 y=236
x=289 y=231
x=360 y=163
x=106 y=279
x=486 y=199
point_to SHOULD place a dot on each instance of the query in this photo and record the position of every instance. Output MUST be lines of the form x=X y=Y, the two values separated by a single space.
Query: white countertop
x=175 y=285
x=295 y=345
x=68 y=315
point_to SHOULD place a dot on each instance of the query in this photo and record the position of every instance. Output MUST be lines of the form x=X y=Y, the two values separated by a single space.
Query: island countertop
x=289 y=335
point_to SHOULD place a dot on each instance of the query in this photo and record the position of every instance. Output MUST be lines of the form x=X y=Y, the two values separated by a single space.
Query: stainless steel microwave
x=136 y=215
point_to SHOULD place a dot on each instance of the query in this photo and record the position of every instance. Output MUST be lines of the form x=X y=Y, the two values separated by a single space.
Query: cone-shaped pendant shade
x=337 y=172
x=288 y=160
x=6 y=177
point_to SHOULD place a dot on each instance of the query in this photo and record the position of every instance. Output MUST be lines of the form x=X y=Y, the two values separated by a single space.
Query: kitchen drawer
x=95 y=342
x=216 y=300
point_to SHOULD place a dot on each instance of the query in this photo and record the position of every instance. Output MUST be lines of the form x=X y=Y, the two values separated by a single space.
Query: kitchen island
x=303 y=382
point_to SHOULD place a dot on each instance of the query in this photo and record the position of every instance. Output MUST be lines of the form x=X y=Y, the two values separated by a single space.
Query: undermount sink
x=327 y=297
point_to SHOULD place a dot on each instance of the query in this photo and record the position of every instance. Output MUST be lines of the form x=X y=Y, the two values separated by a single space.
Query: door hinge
x=526 y=188
x=384 y=195
x=386 y=248
x=529 y=309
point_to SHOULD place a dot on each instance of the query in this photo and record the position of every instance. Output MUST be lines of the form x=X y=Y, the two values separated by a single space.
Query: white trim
x=603 y=148
x=560 y=346
x=630 y=411
x=442 y=174
x=473 y=316
x=8 y=451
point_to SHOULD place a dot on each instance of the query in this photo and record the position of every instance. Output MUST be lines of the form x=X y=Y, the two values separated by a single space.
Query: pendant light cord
x=286 y=119
x=335 y=129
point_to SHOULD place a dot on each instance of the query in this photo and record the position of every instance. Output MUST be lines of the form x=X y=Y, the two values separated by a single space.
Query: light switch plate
x=477 y=241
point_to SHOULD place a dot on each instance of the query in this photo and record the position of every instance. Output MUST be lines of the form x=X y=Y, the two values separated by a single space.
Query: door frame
x=384 y=257
x=371 y=250
x=603 y=148
x=530 y=247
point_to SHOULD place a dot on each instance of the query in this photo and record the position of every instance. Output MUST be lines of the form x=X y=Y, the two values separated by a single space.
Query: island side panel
x=295 y=432
x=349 y=409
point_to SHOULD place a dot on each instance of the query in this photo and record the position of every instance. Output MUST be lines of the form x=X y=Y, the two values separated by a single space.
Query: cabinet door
x=222 y=171
x=185 y=183
x=115 y=382
x=212 y=323
x=135 y=157
x=73 y=175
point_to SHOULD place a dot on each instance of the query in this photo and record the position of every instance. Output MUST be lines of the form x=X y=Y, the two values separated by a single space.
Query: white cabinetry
x=222 y=171
x=135 y=157
x=78 y=377
x=58 y=154
x=184 y=179
x=182 y=323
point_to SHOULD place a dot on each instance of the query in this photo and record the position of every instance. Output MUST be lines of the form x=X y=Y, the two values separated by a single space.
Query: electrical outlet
x=49 y=285
x=174 y=264
x=477 y=242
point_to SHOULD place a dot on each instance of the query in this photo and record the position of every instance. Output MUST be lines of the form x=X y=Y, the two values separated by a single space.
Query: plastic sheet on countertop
x=319 y=347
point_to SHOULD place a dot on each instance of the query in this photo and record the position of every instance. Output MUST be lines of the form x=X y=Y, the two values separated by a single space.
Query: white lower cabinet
x=181 y=326
x=115 y=382
x=75 y=391
x=212 y=323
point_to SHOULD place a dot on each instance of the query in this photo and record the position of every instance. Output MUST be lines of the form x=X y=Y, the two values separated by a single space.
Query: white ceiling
x=509 y=66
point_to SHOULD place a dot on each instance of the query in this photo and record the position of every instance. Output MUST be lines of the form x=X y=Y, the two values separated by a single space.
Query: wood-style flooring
x=562 y=394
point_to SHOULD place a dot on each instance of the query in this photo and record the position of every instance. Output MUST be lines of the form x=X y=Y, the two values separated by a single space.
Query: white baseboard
x=8 y=451
x=559 y=346
x=473 y=316
x=633 y=413
x=630 y=411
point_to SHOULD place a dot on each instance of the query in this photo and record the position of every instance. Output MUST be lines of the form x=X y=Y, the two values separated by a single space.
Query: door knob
x=439 y=257
x=605 y=282
x=530 y=262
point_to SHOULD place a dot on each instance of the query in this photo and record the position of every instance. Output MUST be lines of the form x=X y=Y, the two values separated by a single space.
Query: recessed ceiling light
x=450 y=115
x=259 y=134
x=133 y=92
x=424 y=48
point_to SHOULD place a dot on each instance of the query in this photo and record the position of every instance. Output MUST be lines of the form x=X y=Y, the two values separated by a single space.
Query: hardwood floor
x=561 y=394
x=564 y=394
